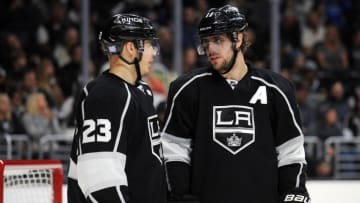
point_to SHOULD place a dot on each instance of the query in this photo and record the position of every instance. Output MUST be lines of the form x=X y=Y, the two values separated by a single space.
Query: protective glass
x=216 y=42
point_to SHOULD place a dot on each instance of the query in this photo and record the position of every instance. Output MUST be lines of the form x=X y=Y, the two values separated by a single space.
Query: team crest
x=233 y=127
x=154 y=133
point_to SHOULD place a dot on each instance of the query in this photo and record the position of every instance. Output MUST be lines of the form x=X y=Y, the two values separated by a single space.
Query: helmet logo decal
x=210 y=14
x=127 y=20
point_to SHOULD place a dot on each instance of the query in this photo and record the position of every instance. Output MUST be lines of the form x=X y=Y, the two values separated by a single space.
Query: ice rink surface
x=322 y=191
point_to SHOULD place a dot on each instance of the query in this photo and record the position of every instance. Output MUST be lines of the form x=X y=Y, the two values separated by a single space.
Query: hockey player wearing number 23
x=117 y=154
x=232 y=132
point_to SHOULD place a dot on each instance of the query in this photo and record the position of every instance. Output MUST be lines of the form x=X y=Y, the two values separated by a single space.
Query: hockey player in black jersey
x=232 y=132
x=116 y=154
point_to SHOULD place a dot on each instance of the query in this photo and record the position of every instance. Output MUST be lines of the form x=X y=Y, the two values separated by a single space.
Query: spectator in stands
x=329 y=126
x=47 y=81
x=190 y=26
x=19 y=64
x=313 y=32
x=290 y=38
x=355 y=51
x=29 y=85
x=63 y=48
x=190 y=59
x=308 y=118
x=256 y=53
x=335 y=11
x=309 y=77
x=39 y=120
x=17 y=102
x=9 y=122
x=4 y=87
x=331 y=54
x=290 y=29
x=10 y=44
x=58 y=23
x=336 y=98
x=69 y=75
x=166 y=46
x=353 y=120
x=320 y=169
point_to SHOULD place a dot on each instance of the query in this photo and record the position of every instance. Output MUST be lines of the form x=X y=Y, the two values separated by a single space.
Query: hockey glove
x=295 y=195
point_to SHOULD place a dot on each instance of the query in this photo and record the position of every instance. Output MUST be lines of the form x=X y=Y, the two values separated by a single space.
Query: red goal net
x=31 y=181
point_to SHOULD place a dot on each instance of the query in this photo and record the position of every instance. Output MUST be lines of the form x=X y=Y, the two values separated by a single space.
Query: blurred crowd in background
x=40 y=59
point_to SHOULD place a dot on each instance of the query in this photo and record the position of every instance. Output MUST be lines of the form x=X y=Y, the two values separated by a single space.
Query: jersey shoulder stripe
x=121 y=125
x=181 y=80
x=284 y=96
x=181 y=84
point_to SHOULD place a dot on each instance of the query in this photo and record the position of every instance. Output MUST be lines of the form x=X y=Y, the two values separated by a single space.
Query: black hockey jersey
x=242 y=144
x=116 y=154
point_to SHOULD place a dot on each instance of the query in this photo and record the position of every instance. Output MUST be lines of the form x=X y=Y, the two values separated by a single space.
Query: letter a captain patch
x=260 y=94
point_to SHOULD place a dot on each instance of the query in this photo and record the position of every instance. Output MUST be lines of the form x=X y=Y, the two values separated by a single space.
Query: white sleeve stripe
x=285 y=98
x=100 y=170
x=122 y=118
x=83 y=113
x=298 y=175
x=177 y=94
x=291 y=152
x=176 y=148
x=72 y=170
x=82 y=103
x=120 y=194
x=92 y=199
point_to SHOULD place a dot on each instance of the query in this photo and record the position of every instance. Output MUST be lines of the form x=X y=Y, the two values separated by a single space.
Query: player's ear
x=130 y=47
x=240 y=37
x=129 y=50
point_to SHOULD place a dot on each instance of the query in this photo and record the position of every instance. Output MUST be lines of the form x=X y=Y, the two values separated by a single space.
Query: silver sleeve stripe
x=176 y=148
x=72 y=170
x=100 y=170
x=291 y=151
x=92 y=199
x=298 y=175
x=83 y=114
x=120 y=194
x=83 y=103
x=285 y=98
x=177 y=94
x=122 y=118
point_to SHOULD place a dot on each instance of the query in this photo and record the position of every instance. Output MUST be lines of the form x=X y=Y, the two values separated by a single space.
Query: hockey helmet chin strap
x=234 y=39
x=136 y=63
x=232 y=62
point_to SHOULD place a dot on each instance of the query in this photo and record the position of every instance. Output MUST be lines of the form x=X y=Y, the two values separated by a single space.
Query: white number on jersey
x=96 y=130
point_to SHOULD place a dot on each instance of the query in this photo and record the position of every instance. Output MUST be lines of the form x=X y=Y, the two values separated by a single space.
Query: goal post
x=38 y=181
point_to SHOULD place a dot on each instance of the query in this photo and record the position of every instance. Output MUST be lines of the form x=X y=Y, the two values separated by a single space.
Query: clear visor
x=155 y=44
x=216 y=42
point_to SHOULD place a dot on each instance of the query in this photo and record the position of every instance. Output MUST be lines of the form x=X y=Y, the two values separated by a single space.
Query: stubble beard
x=223 y=67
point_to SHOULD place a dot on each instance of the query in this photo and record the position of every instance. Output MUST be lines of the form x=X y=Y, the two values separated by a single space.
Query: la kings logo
x=154 y=133
x=233 y=127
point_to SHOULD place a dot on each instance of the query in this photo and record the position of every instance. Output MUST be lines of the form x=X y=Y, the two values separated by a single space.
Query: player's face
x=219 y=51
x=147 y=60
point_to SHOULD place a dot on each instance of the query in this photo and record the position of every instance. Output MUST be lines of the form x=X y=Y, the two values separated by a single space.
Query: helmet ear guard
x=111 y=48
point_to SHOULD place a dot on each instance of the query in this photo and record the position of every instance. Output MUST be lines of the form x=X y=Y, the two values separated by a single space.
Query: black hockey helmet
x=226 y=19
x=122 y=28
